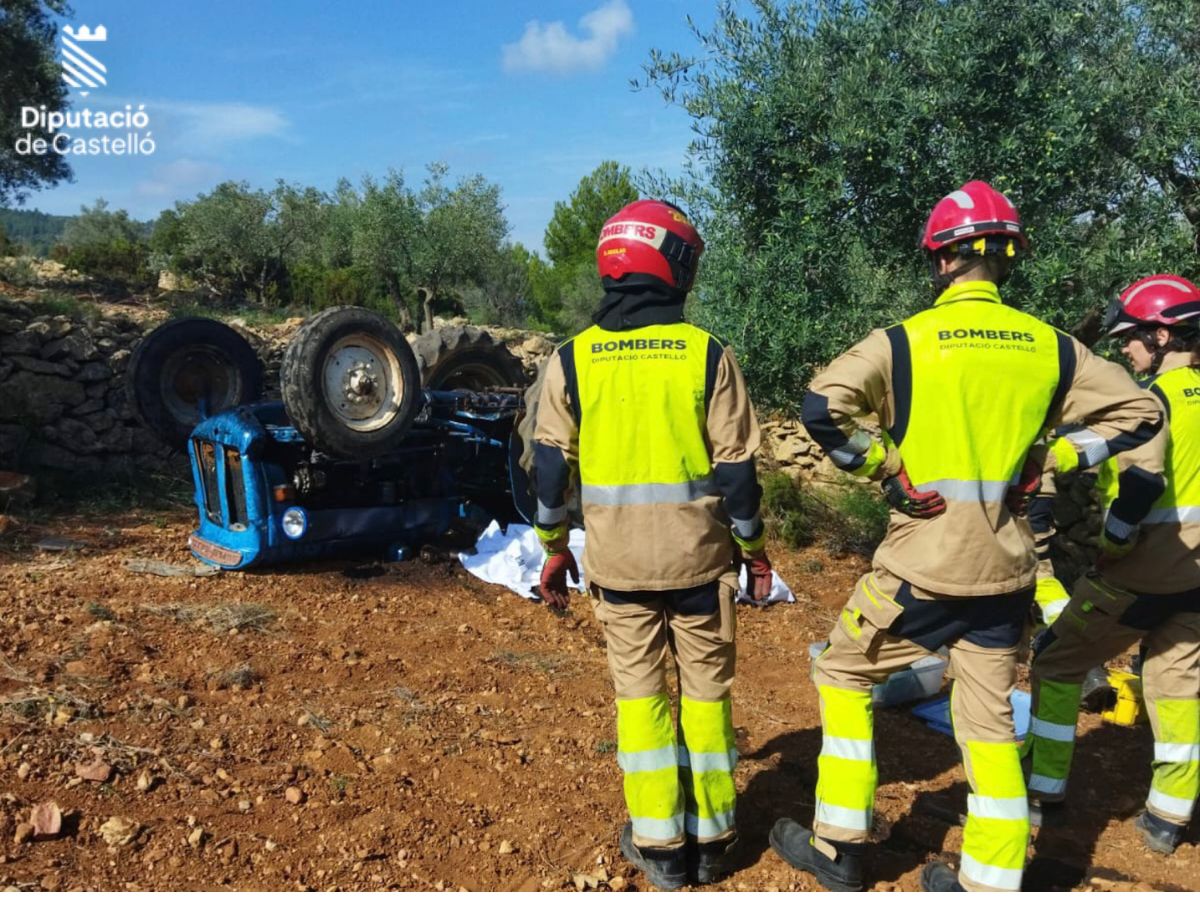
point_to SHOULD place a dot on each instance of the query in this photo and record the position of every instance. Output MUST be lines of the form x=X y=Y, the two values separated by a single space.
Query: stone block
x=77 y=345
x=23 y=343
x=94 y=371
x=41 y=366
x=38 y=398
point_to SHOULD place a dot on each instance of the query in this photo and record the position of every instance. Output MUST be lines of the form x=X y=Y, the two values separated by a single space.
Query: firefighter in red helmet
x=653 y=415
x=963 y=391
x=1146 y=585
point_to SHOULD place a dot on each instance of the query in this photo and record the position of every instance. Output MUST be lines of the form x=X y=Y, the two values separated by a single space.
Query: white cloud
x=551 y=48
x=178 y=180
x=210 y=124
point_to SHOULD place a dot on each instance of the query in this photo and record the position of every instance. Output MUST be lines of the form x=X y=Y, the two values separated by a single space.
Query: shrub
x=316 y=288
x=116 y=262
x=847 y=518
x=19 y=271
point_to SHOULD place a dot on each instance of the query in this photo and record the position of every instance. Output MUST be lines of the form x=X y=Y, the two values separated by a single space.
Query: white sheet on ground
x=514 y=559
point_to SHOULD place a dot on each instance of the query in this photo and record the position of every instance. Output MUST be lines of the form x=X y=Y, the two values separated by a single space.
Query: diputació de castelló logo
x=85 y=131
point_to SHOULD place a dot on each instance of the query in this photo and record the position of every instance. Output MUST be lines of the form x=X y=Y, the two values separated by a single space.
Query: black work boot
x=937 y=877
x=666 y=868
x=1044 y=812
x=1158 y=834
x=794 y=843
x=708 y=863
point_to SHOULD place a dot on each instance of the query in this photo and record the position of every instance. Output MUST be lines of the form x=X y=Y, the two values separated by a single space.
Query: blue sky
x=531 y=95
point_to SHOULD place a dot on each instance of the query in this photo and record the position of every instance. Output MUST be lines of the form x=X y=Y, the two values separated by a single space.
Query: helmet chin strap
x=942 y=280
x=1150 y=341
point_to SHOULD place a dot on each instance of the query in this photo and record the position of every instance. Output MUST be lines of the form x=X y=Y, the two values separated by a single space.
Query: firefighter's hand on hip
x=901 y=495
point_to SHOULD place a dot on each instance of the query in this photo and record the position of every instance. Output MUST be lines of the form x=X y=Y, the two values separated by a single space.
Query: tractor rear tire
x=463 y=357
x=350 y=383
x=187 y=369
x=521 y=455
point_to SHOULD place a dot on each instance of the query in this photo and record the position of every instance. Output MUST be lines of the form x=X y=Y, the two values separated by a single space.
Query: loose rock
x=94 y=770
x=118 y=831
x=46 y=819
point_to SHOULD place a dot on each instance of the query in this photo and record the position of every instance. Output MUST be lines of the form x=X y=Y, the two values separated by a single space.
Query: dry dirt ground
x=408 y=726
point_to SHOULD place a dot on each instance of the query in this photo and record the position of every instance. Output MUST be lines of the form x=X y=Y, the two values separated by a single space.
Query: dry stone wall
x=63 y=404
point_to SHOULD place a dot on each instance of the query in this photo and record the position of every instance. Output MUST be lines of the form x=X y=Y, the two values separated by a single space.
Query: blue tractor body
x=265 y=497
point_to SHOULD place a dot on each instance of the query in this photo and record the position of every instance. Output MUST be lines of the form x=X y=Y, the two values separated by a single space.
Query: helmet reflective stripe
x=645 y=232
x=962 y=198
x=1156 y=282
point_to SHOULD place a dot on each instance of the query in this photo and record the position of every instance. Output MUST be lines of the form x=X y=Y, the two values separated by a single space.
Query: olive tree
x=827 y=129
x=30 y=76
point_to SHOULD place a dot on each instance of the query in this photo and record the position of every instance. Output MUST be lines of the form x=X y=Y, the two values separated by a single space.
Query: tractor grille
x=206 y=457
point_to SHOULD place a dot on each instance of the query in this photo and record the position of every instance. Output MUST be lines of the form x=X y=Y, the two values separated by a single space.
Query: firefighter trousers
x=678 y=777
x=1101 y=621
x=886 y=626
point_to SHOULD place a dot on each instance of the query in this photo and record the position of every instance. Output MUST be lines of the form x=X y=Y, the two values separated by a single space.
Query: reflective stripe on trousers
x=707 y=756
x=846 y=767
x=996 y=836
x=1176 y=766
x=1052 y=736
x=648 y=756
x=1052 y=598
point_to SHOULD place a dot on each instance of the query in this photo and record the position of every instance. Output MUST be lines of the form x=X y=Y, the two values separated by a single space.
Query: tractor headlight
x=294 y=522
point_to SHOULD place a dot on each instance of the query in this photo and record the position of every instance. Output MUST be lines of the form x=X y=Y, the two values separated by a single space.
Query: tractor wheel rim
x=362 y=382
x=199 y=377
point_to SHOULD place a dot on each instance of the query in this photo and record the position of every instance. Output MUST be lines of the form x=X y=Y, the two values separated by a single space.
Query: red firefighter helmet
x=650 y=237
x=1164 y=300
x=975 y=210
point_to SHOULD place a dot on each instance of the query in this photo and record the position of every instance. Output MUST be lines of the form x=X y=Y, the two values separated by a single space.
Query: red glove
x=554 y=578
x=758 y=574
x=900 y=494
x=1018 y=496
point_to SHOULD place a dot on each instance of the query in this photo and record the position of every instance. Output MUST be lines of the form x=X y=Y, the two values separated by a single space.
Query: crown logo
x=86 y=34
x=79 y=67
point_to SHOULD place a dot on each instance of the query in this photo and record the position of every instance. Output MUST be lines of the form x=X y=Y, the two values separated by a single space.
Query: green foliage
x=827 y=129
x=849 y=518
x=565 y=293
x=7 y=247
x=315 y=288
x=35 y=232
x=29 y=76
x=575 y=225
x=426 y=245
x=385 y=246
x=107 y=246
x=238 y=242
x=500 y=297
x=55 y=304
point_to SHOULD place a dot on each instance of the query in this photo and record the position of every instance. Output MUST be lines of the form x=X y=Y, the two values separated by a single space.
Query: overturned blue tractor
x=375 y=447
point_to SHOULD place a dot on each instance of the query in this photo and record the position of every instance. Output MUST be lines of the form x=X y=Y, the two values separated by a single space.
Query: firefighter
x=963 y=391
x=1147 y=583
x=653 y=414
